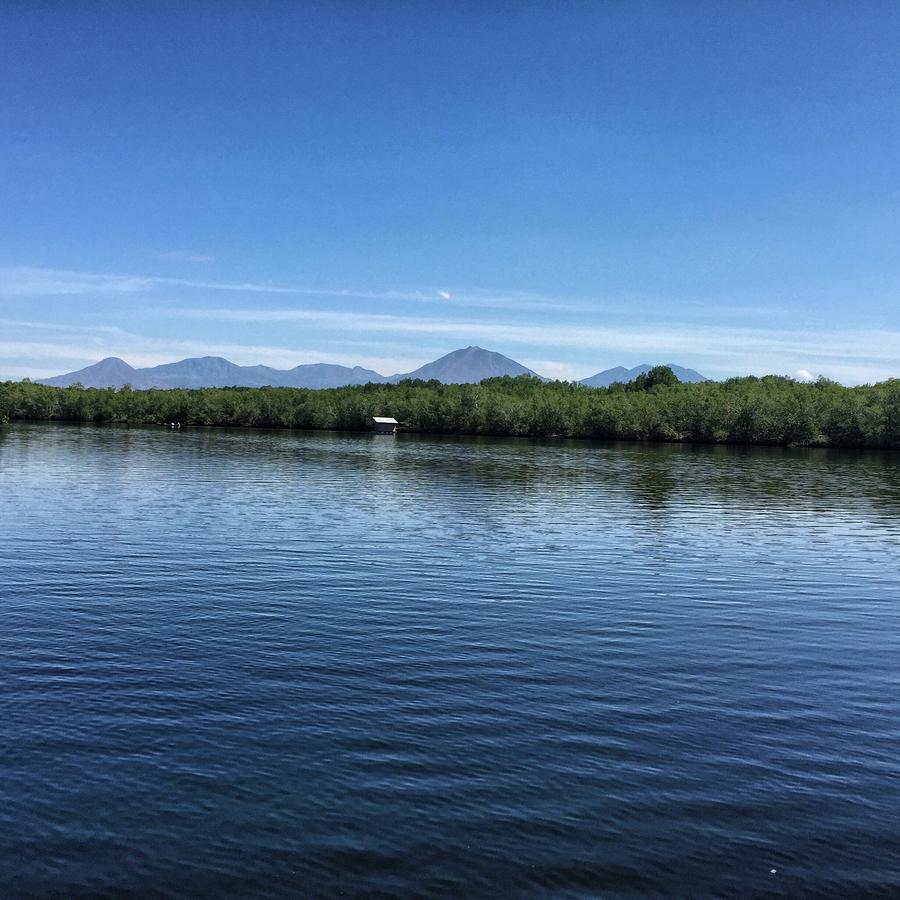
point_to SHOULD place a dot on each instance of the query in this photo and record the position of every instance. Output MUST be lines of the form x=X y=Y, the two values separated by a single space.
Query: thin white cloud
x=59 y=327
x=709 y=340
x=76 y=355
x=39 y=358
x=20 y=281
x=17 y=372
x=579 y=347
x=558 y=371
x=45 y=350
x=32 y=359
x=23 y=281
x=717 y=351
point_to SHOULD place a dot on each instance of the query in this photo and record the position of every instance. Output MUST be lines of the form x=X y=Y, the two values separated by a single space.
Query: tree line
x=654 y=407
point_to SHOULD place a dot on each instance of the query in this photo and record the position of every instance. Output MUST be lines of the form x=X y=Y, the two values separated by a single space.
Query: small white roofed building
x=385 y=425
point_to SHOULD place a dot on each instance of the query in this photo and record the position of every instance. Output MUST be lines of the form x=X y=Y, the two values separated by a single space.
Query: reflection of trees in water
x=654 y=476
x=654 y=485
x=468 y=475
x=651 y=473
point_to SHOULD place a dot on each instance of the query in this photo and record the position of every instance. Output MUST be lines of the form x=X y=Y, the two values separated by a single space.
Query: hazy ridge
x=463 y=366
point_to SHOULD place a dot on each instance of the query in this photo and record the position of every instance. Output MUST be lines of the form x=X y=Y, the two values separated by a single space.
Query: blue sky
x=575 y=185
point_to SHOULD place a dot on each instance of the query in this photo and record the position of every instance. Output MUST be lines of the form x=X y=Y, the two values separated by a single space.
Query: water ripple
x=280 y=664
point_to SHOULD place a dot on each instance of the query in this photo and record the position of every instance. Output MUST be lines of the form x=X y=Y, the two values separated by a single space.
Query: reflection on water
x=280 y=664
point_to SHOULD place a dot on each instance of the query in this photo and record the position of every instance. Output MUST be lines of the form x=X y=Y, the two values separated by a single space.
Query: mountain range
x=212 y=371
x=467 y=365
x=620 y=373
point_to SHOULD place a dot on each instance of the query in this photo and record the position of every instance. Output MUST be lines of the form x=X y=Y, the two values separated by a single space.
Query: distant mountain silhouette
x=468 y=365
x=620 y=373
x=471 y=364
x=212 y=371
x=109 y=372
x=327 y=375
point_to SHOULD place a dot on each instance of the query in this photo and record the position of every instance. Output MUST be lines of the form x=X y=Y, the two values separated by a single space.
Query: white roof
x=384 y=420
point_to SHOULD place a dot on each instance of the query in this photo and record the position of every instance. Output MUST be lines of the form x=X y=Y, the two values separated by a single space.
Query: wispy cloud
x=40 y=351
x=54 y=353
x=23 y=281
x=558 y=371
x=714 y=340
x=20 y=281
x=582 y=343
x=59 y=327
x=32 y=358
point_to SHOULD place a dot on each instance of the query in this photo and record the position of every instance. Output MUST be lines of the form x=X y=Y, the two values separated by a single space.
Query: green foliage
x=658 y=375
x=655 y=407
x=5 y=401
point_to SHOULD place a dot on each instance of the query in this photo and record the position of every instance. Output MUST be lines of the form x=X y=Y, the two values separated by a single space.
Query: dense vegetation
x=656 y=407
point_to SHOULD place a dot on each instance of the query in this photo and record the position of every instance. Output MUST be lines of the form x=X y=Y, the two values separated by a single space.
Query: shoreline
x=769 y=411
x=625 y=443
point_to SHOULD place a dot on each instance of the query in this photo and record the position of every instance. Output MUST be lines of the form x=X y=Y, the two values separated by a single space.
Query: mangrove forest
x=654 y=407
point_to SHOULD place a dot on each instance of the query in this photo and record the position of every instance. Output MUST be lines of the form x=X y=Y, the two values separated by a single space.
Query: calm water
x=276 y=664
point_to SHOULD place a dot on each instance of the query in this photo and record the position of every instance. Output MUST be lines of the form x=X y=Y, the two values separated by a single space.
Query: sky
x=575 y=185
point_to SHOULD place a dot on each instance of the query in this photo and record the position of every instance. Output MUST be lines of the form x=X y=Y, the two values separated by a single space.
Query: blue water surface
x=275 y=664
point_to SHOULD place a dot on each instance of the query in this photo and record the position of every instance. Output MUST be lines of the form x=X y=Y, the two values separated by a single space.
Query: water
x=276 y=664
